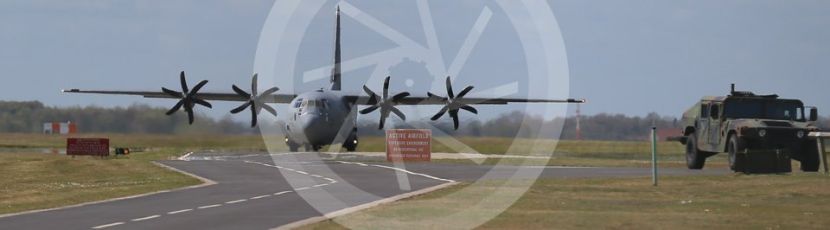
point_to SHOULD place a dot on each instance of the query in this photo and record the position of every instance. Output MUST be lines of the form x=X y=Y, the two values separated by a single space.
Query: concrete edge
x=205 y=182
x=361 y=207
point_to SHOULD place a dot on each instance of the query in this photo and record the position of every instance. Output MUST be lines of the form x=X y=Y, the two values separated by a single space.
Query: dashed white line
x=209 y=206
x=108 y=225
x=319 y=185
x=301 y=189
x=301 y=172
x=145 y=218
x=280 y=193
x=315 y=175
x=260 y=197
x=180 y=211
x=236 y=201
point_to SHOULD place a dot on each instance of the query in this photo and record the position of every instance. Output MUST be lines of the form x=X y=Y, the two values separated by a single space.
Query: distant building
x=59 y=128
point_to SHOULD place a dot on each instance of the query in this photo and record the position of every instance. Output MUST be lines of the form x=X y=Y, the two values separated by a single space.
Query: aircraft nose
x=311 y=123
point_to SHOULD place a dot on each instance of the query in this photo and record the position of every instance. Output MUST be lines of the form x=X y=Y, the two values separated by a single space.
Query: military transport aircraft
x=317 y=114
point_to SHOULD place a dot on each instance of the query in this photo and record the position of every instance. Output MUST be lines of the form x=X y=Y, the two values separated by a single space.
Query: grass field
x=34 y=180
x=799 y=201
x=31 y=180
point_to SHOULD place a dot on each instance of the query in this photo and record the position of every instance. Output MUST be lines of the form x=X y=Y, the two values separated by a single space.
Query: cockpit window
x=298 y=103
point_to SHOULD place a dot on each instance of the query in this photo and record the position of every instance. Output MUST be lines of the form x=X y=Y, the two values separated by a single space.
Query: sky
x=630 y=57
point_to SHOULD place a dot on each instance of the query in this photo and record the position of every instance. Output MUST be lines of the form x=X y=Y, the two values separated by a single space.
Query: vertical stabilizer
x=335 y=72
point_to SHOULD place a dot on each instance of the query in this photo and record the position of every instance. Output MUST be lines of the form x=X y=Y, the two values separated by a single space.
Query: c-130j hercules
x=317 y=114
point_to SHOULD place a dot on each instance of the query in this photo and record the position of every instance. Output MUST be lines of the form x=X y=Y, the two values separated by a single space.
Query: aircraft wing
x=210 y=96
x=368 y=100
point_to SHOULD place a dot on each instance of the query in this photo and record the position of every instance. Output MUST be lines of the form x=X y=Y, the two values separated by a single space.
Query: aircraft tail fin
x=335 y=72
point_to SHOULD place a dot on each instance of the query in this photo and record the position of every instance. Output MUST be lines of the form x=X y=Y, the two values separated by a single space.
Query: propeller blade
x=175 y=108
x=183 y=80
x=254 y=84
x=383 y=115
x=465 y=91
x=241 y=92
x=198 y=87
x=454 y=115
x=201 y=102
x=369 y=110
x=469 y=108
x=450 y=94
x=269 y=91
x=253 y=115
x=398 y=112
x=400 y=96
x=268 y=108
x=189 y=116
x=171 y=92
x=372 y=95
x=386 y=87
x=440 y=113
x=433 y=95
x=241 y=107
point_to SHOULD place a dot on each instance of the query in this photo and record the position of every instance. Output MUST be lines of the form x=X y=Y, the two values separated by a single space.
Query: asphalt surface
x=262 y=191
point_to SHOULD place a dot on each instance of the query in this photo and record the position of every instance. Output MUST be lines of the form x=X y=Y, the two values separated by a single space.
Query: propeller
x=453 y=103
x=255 y=101
x=385 y=103
x=188 y=98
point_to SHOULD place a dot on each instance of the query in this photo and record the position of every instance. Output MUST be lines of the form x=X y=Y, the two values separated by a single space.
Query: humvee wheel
x=809 y=158
x=695 y=159
x=737 y=160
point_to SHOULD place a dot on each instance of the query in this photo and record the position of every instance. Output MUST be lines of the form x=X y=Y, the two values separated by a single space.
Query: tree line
x=28 y=117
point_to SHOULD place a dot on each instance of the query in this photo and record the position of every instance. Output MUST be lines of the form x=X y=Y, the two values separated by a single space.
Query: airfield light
x=762 y=133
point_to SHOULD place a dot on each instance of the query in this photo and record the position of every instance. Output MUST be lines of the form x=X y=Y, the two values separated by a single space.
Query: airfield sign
x=408 y=144
x=88 y=146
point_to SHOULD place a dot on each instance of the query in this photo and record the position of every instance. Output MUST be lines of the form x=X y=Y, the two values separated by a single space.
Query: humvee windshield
x=764 y=109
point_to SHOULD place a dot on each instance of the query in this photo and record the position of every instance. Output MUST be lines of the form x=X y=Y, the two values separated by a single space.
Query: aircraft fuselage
x=317 y=117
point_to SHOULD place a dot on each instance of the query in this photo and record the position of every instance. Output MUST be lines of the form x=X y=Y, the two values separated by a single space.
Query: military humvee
x=761 y=133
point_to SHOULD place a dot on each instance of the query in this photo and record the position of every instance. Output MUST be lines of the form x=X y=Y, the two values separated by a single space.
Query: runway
x=263 y=191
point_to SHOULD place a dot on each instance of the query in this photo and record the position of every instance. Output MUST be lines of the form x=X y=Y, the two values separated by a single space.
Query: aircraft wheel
x=351 y=144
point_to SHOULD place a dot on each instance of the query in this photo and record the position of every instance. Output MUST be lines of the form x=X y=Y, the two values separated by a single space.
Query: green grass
x=798 y=201
x=30 y=181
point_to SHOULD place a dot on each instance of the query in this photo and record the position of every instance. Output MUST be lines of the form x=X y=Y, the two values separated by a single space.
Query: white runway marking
x=184 y=158
x=180 y=211
x=260 y=197
x=280 y=193
x=209 y=206
x=401 y=170
x=108 y=225
x=145 y=218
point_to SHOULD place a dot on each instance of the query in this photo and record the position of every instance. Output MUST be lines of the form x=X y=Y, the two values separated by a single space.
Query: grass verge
x=798 y=201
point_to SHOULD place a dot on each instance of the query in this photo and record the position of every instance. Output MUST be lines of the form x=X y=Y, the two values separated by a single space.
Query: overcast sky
x=630 y=57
